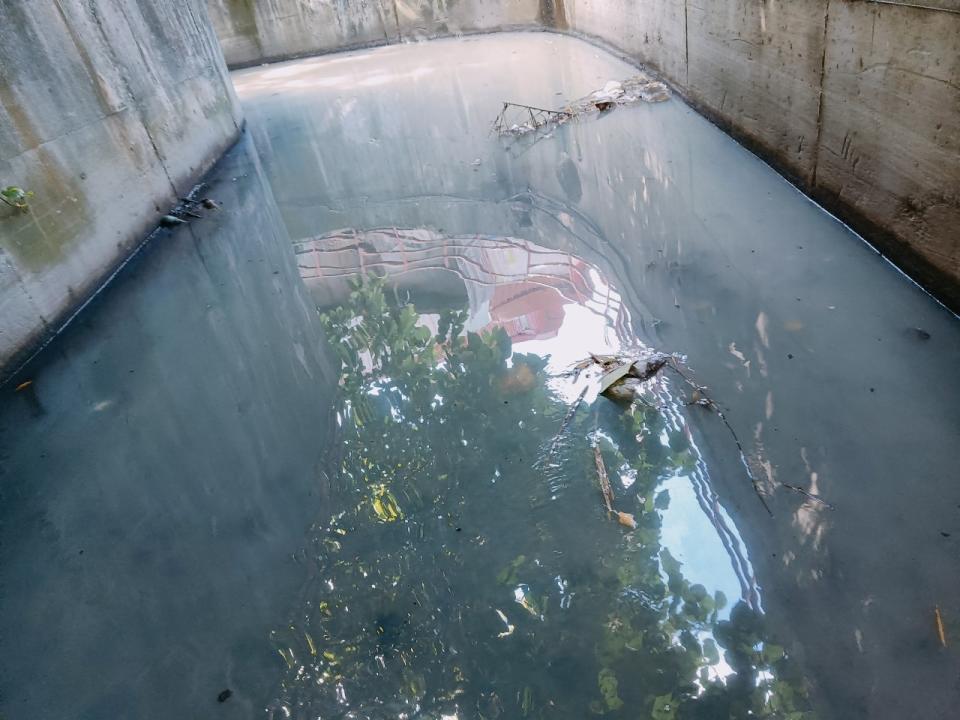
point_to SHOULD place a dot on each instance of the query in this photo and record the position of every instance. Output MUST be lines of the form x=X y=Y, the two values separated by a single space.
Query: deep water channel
x=325 y=453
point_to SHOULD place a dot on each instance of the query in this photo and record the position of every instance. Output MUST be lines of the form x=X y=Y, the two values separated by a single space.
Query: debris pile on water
x=519 y=119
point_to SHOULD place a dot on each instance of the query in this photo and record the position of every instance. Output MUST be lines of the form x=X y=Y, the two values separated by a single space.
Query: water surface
x=322 y=449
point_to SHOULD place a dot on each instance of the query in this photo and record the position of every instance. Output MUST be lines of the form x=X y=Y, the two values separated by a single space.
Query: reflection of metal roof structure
x=519 y=285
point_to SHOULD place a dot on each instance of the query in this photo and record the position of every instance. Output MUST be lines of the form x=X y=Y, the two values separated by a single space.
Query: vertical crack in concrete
x=134 y=101
x=823 y=72
x=396 y=19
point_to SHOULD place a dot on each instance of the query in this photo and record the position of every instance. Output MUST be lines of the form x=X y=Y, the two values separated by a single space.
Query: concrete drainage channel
x=207 y=498
x=833 y=94
x=830 y=93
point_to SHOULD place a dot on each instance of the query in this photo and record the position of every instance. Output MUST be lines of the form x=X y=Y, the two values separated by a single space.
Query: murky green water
x=319 y=454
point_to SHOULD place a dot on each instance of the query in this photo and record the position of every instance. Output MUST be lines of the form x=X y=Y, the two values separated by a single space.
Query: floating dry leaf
x=627 y=520
x=23 y=386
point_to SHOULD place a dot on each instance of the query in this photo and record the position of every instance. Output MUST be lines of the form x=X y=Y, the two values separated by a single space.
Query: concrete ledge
x=383 y=43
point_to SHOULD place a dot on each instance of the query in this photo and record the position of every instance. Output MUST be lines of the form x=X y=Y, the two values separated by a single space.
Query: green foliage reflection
x=459 y=575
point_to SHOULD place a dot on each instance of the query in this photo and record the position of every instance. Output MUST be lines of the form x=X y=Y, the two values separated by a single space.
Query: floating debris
x=624 y=518
x=624 y=374
x=941 y=633
x=614 y=376
x=518 y=119
x=555 y=443
x=809 y=495
x=603 y=479
x=510 y=627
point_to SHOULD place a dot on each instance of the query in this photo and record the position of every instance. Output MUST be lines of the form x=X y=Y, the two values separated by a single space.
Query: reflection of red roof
x=524 y=286
x=527 y=311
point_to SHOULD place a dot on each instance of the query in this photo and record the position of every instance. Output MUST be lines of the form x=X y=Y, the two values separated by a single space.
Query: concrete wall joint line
x=140 y=113
x=73 y=131
x=396 y=19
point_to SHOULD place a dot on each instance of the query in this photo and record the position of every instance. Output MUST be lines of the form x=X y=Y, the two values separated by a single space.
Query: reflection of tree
x=454 y=577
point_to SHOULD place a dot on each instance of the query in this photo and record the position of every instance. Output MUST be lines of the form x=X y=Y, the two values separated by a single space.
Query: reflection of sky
x=687 y=532
x=692 y=540
x=581 y=332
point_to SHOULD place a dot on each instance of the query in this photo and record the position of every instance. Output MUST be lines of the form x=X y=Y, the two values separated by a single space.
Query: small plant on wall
x=16 y=197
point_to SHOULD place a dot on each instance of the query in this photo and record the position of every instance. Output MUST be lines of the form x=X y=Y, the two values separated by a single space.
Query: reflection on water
x=463 y=573
x=516 y=284
x=157 y=477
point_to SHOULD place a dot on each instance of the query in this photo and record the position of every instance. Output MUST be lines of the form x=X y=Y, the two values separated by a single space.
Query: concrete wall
x=858 y=102
x=254 y=31
x=108 y=111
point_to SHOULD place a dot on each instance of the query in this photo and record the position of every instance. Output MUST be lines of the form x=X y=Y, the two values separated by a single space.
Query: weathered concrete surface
x=653 y=31
x=253 y=32
x=755 y=67
x=889 y=148
x=108 y=111
x=882 y=149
